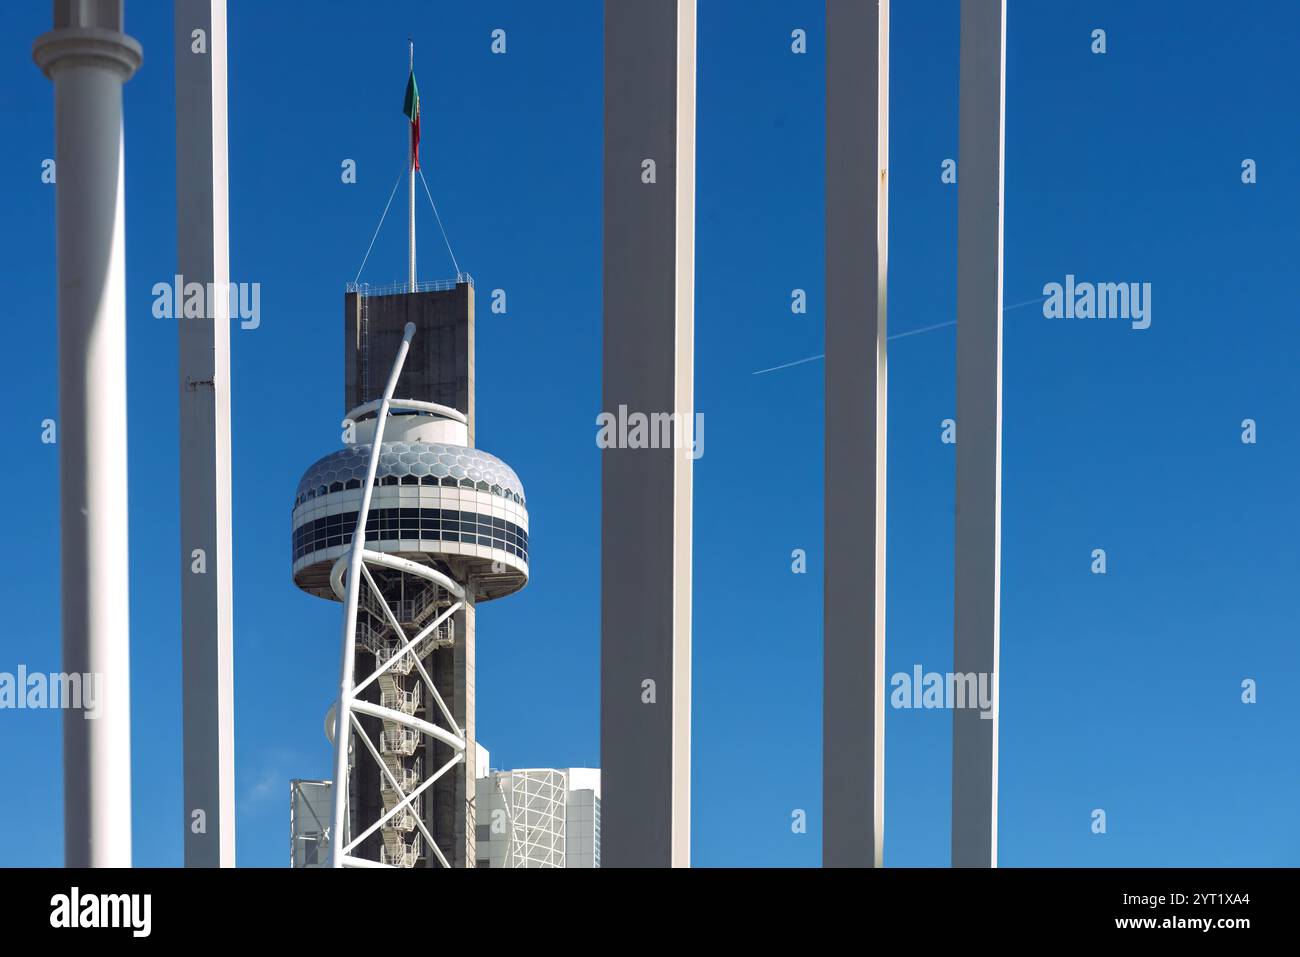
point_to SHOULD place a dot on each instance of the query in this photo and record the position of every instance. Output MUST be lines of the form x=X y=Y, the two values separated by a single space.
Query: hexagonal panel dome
x=399 y=458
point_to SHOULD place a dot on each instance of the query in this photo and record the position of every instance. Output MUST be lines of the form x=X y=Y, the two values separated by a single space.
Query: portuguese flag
x=412 y=109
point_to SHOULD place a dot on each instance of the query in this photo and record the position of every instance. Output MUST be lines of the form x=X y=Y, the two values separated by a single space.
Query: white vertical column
x=649 y=290
x=857 y=241
x=977 y=579
x=202 y=252
x=89 y=58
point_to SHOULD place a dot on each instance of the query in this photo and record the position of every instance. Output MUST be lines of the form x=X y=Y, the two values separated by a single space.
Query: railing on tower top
x=403 y=288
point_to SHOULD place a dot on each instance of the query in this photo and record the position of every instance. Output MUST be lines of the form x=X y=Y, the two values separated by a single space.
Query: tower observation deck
x=446 y=529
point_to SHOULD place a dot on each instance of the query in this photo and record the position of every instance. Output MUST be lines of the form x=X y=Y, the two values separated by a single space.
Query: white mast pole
x=977 y=542
x=203 y=363
x=88 y=58
x=410 y=167
x=857 y=387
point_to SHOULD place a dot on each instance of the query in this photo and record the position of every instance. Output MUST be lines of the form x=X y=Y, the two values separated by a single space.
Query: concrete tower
x=446 y=529
x=449 y=530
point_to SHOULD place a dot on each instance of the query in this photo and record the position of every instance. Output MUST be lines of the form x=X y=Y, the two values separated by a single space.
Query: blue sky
x=1119 y=692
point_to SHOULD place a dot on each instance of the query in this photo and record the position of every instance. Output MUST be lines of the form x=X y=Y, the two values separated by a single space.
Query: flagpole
x=410 y=167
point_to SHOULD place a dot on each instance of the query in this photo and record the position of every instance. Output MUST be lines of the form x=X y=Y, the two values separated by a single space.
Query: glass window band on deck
x=413 y=524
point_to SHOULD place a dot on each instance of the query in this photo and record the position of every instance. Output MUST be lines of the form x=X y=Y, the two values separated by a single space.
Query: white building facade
x=537 y=817
x=532 y=817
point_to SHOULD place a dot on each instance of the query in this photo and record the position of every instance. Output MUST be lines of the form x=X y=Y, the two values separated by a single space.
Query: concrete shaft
x=978 y=527
x=857 y=160
x=649 y=288
x=202 y=256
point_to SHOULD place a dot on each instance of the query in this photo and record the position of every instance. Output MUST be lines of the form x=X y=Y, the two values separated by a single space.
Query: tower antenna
x=412 y=158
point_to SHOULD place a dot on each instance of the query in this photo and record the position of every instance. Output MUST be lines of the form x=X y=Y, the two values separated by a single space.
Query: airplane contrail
x=897 y=335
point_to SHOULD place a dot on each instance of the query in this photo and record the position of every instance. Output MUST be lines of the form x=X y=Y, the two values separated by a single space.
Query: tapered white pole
x=89 y=58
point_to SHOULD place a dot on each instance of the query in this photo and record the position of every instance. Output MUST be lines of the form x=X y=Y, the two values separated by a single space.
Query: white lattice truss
x=535 y=803
x=396 y=654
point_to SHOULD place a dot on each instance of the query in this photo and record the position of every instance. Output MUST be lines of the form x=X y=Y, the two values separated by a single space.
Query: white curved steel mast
x=396 y=655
